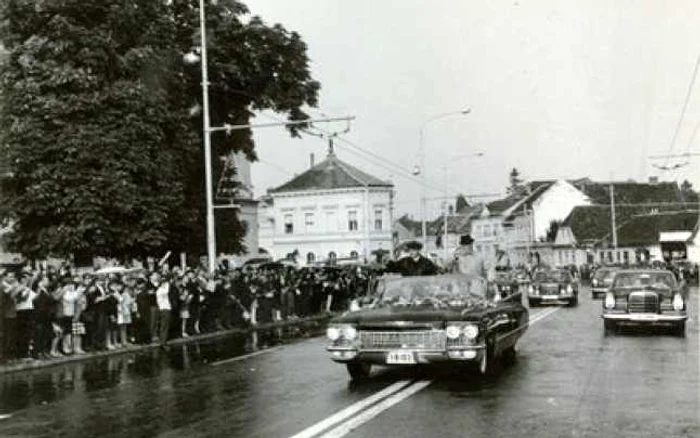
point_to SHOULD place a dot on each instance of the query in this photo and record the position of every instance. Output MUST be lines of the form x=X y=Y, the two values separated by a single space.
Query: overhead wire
x=688 y=93
x=377 y=160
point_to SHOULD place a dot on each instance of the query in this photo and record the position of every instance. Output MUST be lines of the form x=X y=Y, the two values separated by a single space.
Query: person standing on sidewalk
x=44 y=307
x=10 y=289
x=24 y=302
x=162 y=294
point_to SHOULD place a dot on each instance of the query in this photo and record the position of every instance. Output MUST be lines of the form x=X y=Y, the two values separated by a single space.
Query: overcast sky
x=558 y=89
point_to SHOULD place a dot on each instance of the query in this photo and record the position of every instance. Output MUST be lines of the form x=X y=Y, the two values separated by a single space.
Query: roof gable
x=331 y=173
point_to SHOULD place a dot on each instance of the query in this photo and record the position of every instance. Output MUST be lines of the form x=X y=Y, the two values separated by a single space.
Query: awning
x=675 y=236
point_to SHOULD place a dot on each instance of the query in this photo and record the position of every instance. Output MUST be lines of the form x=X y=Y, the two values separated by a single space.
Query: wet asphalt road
x=570 y=380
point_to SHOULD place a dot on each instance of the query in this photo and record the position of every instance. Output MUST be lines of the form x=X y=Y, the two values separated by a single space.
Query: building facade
x=332 y=210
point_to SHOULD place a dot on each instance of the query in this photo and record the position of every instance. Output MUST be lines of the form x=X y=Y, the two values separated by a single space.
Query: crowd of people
x=48 y=313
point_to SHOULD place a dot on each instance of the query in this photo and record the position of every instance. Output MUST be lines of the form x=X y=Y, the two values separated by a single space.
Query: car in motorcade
x=648 y=297
x=450 y=318
x=555 y=286
x=601 y=280
x=506 y=283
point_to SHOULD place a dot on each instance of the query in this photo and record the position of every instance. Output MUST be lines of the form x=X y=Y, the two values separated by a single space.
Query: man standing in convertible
x=466 y=261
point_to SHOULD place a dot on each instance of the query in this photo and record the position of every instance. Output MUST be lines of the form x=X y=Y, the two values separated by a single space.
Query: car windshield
x=654 y=280
x=441 y=291
x=552 y=276
x=603 y=273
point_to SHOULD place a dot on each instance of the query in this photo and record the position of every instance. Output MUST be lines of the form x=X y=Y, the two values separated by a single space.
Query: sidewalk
x=36 y=364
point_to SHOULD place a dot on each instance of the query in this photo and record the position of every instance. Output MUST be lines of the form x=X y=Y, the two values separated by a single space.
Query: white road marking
x=375 y=410
x=351 y=410
x=538 y=317
x=5 y=416
x=245 y=356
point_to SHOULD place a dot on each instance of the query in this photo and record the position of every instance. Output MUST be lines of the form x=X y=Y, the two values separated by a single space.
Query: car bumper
x=554 y=299
x=646 y=318
x=599 y=290
x=379 y=357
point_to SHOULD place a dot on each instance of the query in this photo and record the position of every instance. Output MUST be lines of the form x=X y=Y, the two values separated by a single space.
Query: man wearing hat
x=466 y=261
x=414 y=264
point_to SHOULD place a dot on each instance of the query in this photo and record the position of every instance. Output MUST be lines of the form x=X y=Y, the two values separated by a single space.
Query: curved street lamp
x=421 y=156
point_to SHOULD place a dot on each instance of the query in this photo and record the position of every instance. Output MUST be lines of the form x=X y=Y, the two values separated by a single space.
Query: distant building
x=513 y=230
x=332 y=210
x=652 y=222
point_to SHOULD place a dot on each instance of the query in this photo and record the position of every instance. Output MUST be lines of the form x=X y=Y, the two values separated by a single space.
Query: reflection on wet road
x=569 y=380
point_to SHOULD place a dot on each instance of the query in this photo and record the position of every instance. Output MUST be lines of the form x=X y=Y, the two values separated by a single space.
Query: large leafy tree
x=87 y=126
x=97 y=121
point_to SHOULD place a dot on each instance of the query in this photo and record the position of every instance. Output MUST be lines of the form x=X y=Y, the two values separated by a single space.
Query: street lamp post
x=421 y=156
x=208 y=129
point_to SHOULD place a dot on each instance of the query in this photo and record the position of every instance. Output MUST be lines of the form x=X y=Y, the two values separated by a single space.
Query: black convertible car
x=428 y=319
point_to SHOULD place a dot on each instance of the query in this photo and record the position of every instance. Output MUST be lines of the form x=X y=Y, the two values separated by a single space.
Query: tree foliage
x=97 y=125
x=461 y=203
x=516 y=184
x=552 y=231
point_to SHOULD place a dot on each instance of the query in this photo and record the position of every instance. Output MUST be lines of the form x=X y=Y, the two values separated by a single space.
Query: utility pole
x=612 y=214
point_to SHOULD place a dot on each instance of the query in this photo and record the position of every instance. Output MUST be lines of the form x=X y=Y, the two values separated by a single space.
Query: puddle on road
x=42 y=386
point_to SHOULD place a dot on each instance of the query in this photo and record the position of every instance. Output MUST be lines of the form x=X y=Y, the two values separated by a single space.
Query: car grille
x=549 y=290
x=424 y=340
x=643 y=302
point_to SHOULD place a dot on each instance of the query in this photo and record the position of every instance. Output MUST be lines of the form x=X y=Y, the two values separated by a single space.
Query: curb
x=39 y=364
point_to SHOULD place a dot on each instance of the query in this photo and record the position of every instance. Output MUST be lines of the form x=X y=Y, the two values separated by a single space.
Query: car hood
x=408 y=315
x=623 y=292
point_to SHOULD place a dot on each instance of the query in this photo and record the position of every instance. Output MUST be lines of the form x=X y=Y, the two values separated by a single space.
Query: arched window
x=353 y=254
x=332 y=256
x=310 y=257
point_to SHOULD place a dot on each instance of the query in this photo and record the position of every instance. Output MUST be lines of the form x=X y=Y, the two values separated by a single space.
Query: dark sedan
x=428 y=319
x=601 y=281
x=648 y=297
x=555 y=286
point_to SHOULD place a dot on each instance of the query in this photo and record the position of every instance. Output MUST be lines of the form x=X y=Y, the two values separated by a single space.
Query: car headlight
x=452 y=332
x=609 y=301
x=350 y=333
x=470 y=332
x=595 y=282
x=677 y=302
x=333 y=333
x=530 y=289
x=570 y=289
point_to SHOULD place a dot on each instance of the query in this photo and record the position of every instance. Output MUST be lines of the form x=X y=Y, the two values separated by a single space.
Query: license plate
x=643 y=317
x=400 y=358
x=550 y=297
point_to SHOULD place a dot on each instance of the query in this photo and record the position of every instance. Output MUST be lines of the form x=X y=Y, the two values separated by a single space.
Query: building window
x=288 y=224
x=309 y=221
x=378 y=225
x=610 y=257
x=352 y=221
x=602 y=256
x=617 y=254
x=487 y=230
x=353 y=254
x=477 y=230
x=626 y=256
x=310 y=257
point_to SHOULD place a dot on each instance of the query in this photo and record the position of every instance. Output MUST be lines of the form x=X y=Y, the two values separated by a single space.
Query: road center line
x=244 y=357
x=352 y=410
x=375 y=410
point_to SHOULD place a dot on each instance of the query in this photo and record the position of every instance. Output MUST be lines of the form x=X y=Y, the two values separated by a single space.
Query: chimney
x=653 y=180
x=311 y=159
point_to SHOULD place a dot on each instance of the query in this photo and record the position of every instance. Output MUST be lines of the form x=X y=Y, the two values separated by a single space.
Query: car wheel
x=574 y=301
x=359 y=370
x=531 y=303
x=610 y=326
x=594 y=295
x=485 y=366
x=679 y=329
x=509 y=355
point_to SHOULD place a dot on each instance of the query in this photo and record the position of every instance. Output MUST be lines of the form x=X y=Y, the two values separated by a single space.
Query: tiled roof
x=630 y=192
x=414 y=227
x=535 y=189
x=645 y=229
x=592 y=224
x=331 y=173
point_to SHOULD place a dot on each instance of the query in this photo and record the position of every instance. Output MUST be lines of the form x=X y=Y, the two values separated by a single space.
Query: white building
x=514 y=227
x=331 y=210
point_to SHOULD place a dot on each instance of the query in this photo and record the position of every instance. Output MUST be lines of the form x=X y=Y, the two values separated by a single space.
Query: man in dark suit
x=414 y=263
